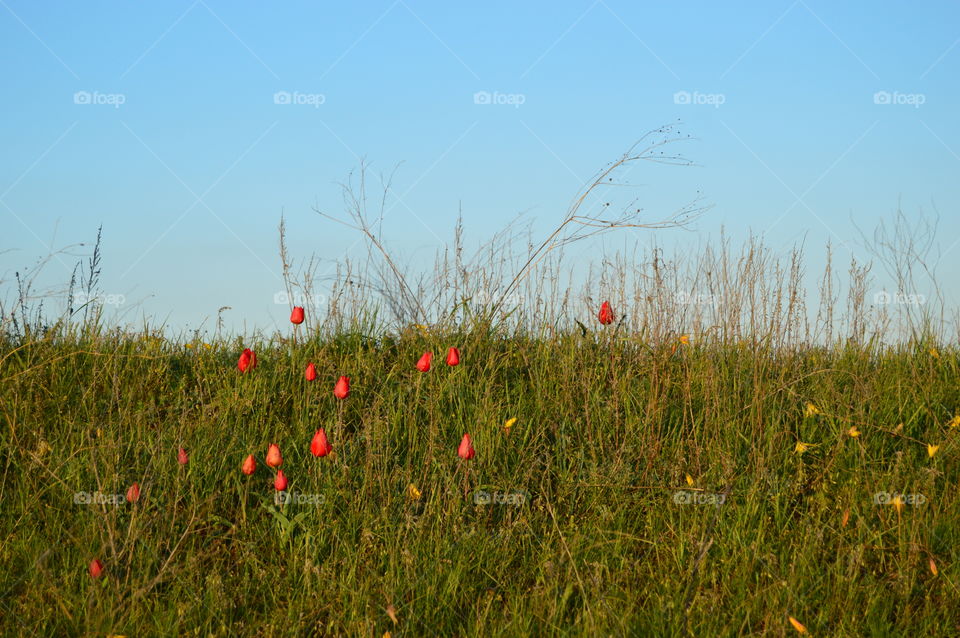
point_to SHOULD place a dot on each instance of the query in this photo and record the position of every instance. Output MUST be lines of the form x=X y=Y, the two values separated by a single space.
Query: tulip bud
x=133 y=493
x=247 y=361
x=311 y=372
x=249 y=465
x=96 y=568
x=280 y=483
x=182 y=457
x=423 y=365
x=466 y=451
x=296 y=316
x=319 y=446
x=273 y=456
x=606 y=313
x=342 y=388
x=453 y=357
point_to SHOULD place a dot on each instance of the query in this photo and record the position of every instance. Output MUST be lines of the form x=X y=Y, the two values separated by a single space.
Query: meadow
x=716 y=453
x=672 y=488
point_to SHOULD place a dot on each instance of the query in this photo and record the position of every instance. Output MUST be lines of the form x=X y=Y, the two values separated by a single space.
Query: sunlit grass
x=820 y=487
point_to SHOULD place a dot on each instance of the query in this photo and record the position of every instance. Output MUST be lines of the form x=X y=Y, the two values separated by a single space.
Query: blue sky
x=163 y=123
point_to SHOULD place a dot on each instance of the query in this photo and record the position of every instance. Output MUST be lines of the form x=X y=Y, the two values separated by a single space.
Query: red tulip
x=273 y=456
x=96 y=568
x=296 y=317
x=319 y=446
x=182 y=457
x=342 y=388
x=247 y=361
x=453 y=357
x=281 y=481
x=249 y=465
x=606 y=313
x=423 y=365
x=133 y=493
x=466 y=451
x=311 y=373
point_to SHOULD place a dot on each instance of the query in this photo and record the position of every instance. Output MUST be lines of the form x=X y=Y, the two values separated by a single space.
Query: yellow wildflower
x=897 y=503
x=413 y=493
x=853 y=431
x=509 y=424
x=932 y=449
x=802 y=447
x=797 y=625
x=811 y=409
x=424 y=330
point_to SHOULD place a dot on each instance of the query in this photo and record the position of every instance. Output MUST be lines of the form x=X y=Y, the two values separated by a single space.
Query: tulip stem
x=243 y=505
x=465 y=481
x=429 y=429
x=434 y=426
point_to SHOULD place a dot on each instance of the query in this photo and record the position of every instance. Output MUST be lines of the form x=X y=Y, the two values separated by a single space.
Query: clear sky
x=186 y=127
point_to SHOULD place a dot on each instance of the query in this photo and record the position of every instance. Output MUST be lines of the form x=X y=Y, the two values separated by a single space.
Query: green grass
x=607 y=431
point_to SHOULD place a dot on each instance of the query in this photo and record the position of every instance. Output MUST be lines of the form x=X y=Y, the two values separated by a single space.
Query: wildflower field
x=687 y=445
x=589 y=483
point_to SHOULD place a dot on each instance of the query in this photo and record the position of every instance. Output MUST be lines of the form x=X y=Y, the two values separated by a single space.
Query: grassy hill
x=678 y=486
